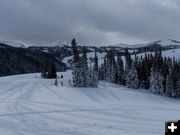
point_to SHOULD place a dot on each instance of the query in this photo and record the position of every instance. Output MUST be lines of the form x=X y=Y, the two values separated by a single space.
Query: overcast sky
x=89 y=21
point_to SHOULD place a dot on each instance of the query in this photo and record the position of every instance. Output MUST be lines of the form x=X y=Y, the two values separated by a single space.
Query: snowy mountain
x=167 y=44
x=15 y=44
x=58 y=44
x=160 y=43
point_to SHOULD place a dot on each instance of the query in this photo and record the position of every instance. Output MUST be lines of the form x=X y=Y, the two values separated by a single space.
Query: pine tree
x=95 y=62
x=160 y=83
x=120 y=70
x=85 y=70
x=132 y=78
x=128 y=61
x=178 y=87
x=128 y=65
x=52 y=70
x=91 y=81
x=75 y=52
x=43 y=71
x=169 y=86
x=114 y=76
x=108 y=67
x=76 y=65
x=153 y=82
x=94 y=73
x=156 y=82
x=102 y=72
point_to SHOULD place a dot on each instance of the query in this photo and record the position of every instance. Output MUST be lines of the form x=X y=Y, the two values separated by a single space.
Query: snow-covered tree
x=114 y=77
x=91 y=81
x=128 y=63
x=132 y=78
x=156 y=82
x=94 y=72
x=178 y=87
x=169 y=84
x=76 y=65
x=84 y=70
x=120 y=70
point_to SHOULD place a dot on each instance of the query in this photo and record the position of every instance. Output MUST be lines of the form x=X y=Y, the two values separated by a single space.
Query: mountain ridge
x=162 y=43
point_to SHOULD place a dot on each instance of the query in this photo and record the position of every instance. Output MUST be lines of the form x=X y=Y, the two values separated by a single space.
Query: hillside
x=168 y=53
x=166 y=44
x=34 y=106
x=22 y=60
x=19 y=58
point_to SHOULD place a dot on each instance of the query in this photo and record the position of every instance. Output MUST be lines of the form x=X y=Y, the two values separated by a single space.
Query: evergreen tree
x=160 y=82
x=95 y=62
x=43 y=71
x=114 y=77
x=102 y=72
x=178 y=87
x=128 y=61
x=132 y=78
x=128 y=65
x=52 y=71
x=76 y=65
x=156 y=82
x=94 y=73
x=120 y=70
x=91 y=81
x=85 y=70
x=169 y=86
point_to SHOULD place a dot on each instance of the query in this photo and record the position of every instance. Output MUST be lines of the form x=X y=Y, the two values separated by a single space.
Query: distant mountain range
x=17 y=58
x=164 y=44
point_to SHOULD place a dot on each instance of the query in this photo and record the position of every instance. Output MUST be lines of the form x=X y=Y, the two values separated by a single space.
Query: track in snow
x=34 y=106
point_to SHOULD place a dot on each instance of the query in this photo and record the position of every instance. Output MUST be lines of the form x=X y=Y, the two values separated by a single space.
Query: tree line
x=158 y=74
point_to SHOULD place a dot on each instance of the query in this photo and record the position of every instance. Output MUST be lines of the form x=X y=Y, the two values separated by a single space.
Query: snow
x=163 y=43
x=45 y=50
x=169 y=53
x=168 y=42
x=14 y=44
x=172 y=53
x=128 y=46
x=30 y=105
x=58 y=43
x=89 y=56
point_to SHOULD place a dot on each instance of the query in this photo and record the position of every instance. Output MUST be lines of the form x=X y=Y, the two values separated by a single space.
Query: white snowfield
x=30 y=105
x=89 y=56
x=169 y=53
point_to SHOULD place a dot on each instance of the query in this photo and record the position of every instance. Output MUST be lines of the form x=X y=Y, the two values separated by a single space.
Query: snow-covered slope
x=174 y=53
x=58 y=43
x=14 y=44
x=168 y=42
x=169 y=53
x=30 y=105
x=89 y=55
x=162 y=43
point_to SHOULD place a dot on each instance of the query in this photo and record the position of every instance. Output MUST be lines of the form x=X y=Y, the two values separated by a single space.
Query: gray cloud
x=90 y=21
